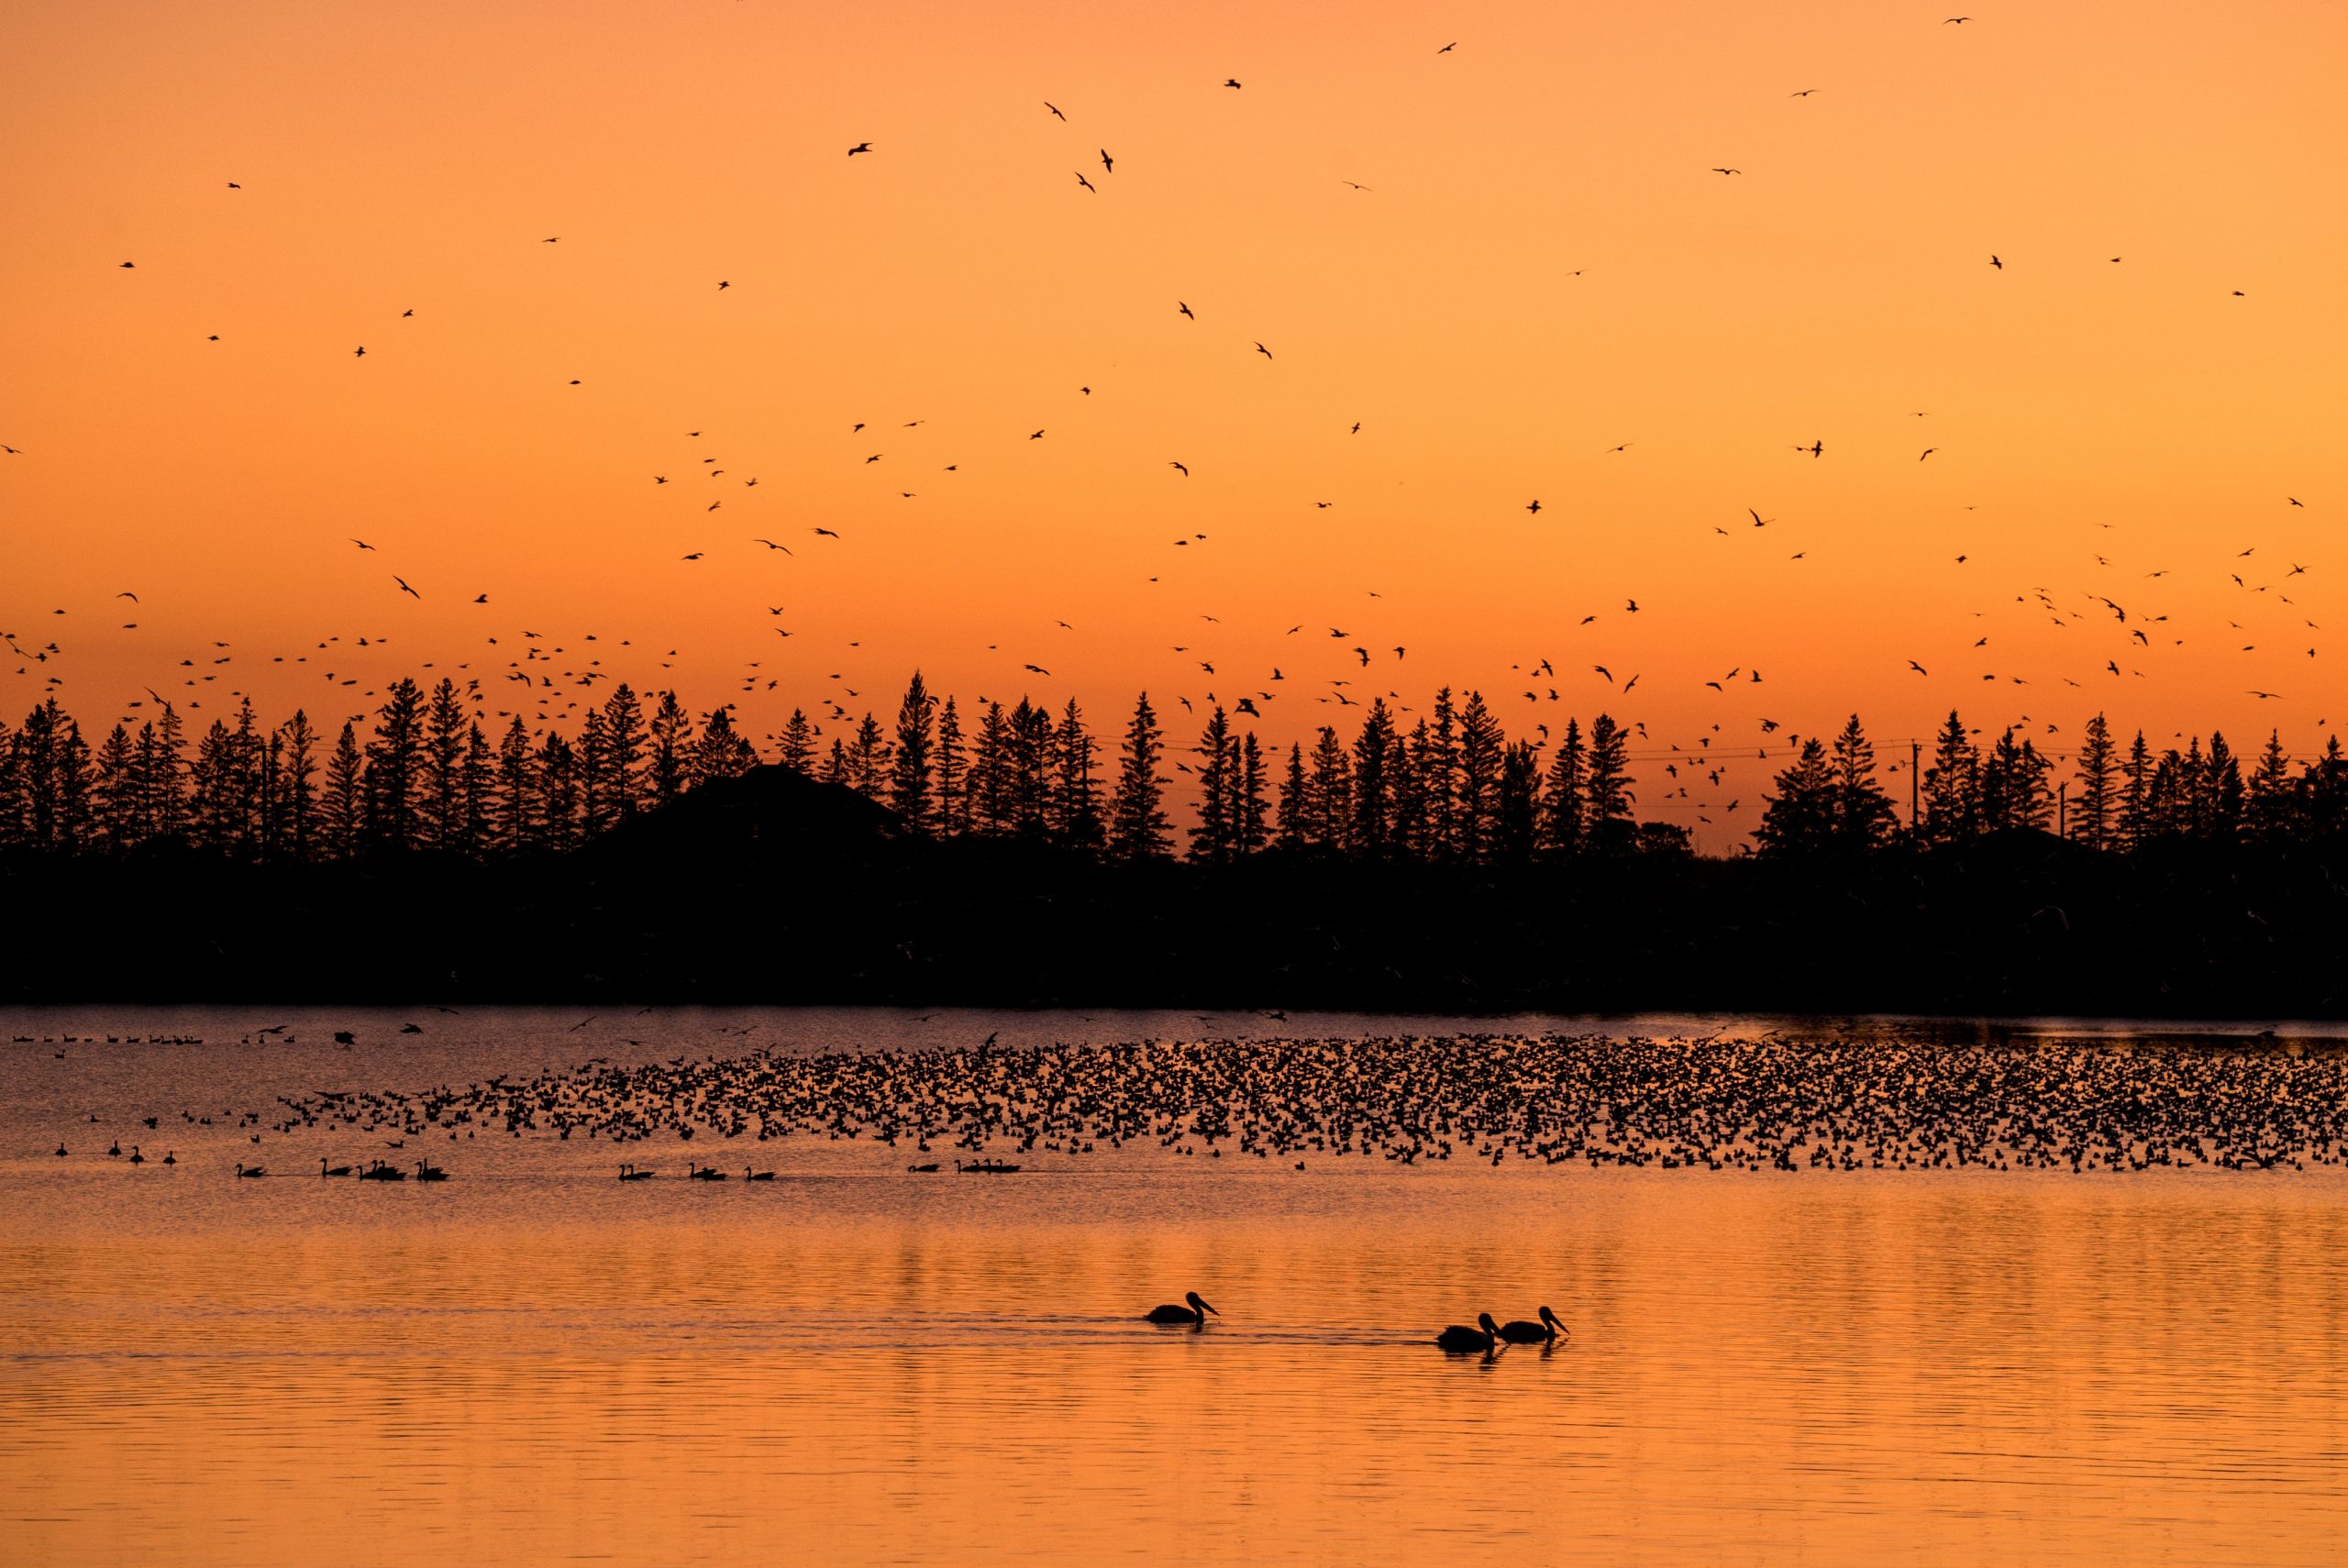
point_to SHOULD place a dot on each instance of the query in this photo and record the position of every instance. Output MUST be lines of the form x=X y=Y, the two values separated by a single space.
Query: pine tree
x=342 y=807
x=1564 y=800
x=1608 y=790
x=798 y=743
x=990 y=774
x=668 y=764
x=394 y=768
x=514 y=820
x=297 y=766
x=2271 y=811
x=1250 y=834
x=953 y=775
x=909 y=784
x=1476 y=810
x=2225 y=791
x=599 y=805
x=477 y=823
x=722 y=752
x=114 y=794
x=1517 y=825
x=166 y=770
x=1030 y=735
x=1137 y=826
x=1798 y=823
x=1291 y=811
x=1951 y=799
x=2136 y=797
x=560 y=790
x=1374 y=752
x=1075 y=801
x=1328 y=819
x=1212 y=839
x=440 y=792
x=1863 y=815
x=624 y=744
x=1435 y=762
x=2092 y=818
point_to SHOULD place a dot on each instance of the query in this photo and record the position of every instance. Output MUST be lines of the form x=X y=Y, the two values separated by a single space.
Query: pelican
x=245 y=1170
x=1525 y=1333
x=1195 y=1314
x=1487 y=1338
x=749 y=1175
x=703 y=1173
x=339 y=1170
x=630 y=1173
x=426 y=1171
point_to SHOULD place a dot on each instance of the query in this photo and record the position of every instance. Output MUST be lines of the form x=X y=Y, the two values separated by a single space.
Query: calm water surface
x=532 y=1363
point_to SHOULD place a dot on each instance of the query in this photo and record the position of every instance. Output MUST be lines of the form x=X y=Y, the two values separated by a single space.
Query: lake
x=532 y=1362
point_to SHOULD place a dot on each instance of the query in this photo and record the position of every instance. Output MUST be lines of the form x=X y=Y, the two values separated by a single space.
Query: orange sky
x=1543 y=266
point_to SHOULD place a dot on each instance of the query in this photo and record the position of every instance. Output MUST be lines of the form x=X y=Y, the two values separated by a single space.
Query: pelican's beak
x=1203 y=1303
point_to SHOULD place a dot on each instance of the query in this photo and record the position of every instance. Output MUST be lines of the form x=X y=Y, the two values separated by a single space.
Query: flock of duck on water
x=1756 y=1105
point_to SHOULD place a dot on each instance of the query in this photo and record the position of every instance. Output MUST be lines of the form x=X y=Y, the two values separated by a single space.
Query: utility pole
x=1915 y=764
x=2062 y=798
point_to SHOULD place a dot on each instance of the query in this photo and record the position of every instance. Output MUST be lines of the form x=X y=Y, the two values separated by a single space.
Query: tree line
x=1452 y=787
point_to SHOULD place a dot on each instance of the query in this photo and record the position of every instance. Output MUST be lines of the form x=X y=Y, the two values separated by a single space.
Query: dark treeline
x=1452 y=789
x=1008 y=854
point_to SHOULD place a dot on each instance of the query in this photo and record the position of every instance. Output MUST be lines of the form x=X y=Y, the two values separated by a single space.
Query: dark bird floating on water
x=1485 y=1337
x=1523 y=1332
x=1194 y=1314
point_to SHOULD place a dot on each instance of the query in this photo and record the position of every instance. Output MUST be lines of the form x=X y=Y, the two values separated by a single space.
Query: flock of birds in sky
x=2127 y=626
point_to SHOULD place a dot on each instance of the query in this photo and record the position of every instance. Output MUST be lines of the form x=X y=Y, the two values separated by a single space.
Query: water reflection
x=535 y=1363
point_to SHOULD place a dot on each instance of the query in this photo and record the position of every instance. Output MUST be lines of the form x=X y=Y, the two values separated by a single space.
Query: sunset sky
x=1545 y=267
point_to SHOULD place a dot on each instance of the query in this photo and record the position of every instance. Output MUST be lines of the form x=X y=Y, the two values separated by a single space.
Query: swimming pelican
x=136 y=1157
x=1195 y=1314
x=245 y=1170
x=630 y=1173
x=339 y=1170
x=749 y=1175
x=426 y=1171
x=1487 y=1338
x=1521 y=1333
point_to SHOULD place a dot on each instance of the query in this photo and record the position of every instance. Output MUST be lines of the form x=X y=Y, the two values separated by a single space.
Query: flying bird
x=411 y=592
x=1108 y=165
x=1055 y=108
x=1186 y=472
x=1267 y=353
x=1086 y=183
x=859 y=147
x=1231 y=81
